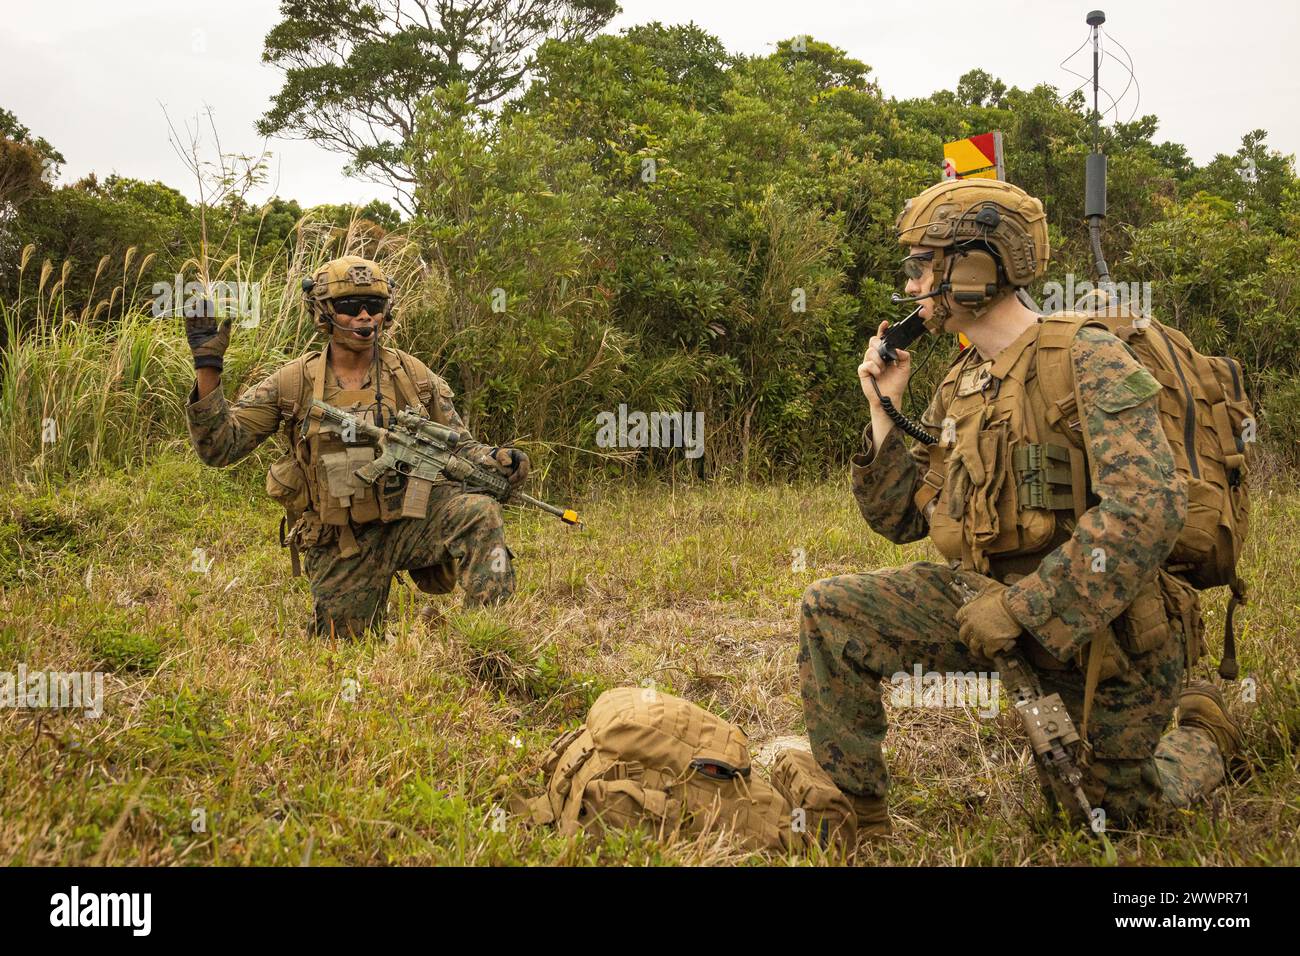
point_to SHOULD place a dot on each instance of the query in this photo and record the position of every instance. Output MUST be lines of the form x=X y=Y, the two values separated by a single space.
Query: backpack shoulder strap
x=292 y=377
x=295 y=396
x=304 y=380
x=297 y=381
x=414 y=380
x=1056 y=369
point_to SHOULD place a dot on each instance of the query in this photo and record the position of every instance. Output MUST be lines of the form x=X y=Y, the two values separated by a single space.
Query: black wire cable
x=1062 y=66
x=1114 y=100
x=379 y=394
x=1124 y=92
x=1131 y=72
x=911 y=379
x=901 y=420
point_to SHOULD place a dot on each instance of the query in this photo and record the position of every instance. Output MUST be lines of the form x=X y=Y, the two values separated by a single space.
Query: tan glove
x=986 y=625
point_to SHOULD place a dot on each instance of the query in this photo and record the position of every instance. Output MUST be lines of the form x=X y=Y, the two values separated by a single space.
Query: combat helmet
x=989 y=237
x=349 y=275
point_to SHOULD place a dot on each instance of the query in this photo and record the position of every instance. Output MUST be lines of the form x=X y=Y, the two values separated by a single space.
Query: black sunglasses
x=354 y=305
x=914 y=265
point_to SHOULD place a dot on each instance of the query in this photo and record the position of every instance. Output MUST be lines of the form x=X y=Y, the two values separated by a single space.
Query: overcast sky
x=93 y=77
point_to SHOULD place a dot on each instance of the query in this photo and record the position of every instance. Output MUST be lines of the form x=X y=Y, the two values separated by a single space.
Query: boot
x=873 y=815
x=1201 y=706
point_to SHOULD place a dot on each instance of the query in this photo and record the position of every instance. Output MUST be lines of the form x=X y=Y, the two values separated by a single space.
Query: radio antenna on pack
x=1095 y=178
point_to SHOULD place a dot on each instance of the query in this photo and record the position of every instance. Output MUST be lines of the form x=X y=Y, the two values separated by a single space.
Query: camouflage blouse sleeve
x=221 y=433
x=883 y=483
x=1118 y=544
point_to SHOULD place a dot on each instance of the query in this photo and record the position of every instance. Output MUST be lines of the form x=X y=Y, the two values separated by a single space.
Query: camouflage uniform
x=460 y=540
x=858 y=628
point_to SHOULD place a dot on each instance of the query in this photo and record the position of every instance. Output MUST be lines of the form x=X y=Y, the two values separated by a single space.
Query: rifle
x=1050 y=729
x=418 y=447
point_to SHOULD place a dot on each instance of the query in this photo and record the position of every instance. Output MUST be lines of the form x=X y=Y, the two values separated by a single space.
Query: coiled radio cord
x=901 y=420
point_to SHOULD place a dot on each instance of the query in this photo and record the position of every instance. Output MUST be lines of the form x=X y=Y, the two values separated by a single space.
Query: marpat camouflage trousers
x=856 y=629
x=351 y=594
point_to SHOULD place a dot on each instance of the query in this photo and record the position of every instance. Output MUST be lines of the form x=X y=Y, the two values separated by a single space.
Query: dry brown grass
x=217 y=700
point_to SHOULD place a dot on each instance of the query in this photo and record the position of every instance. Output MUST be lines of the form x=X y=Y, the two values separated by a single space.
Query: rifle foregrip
x=494 y=483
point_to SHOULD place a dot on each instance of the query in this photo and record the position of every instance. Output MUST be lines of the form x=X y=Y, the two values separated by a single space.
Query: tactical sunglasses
x=914 y=266
x=354 y=305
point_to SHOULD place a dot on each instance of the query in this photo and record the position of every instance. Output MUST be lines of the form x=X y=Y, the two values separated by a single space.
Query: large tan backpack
x=648 y=759
x=1209 y=421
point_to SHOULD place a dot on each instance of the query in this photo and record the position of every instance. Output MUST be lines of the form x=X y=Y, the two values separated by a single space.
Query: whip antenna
x=1095 y=178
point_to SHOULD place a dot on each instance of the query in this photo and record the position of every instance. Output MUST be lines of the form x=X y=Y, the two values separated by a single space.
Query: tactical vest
x=1005 y=485
x=1008 y=477
x=1008 y=480
x=314 y=479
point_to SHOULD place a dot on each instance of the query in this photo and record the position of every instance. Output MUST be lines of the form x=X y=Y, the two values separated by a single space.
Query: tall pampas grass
x=105 y=385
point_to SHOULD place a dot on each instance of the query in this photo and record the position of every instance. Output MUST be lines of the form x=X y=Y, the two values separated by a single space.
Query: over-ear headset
x=975 y=277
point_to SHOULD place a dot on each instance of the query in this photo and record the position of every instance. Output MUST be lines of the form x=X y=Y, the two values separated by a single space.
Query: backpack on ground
x=646 y=758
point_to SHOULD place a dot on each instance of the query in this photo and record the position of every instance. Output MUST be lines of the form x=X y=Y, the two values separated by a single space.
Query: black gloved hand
x=512 y=463
x=208 y=343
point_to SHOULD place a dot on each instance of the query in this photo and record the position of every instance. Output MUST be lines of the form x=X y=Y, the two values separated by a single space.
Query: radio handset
x=900 y=336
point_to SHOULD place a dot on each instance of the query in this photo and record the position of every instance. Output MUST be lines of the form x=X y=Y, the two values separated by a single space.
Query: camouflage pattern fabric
x=1142 y=509
x=351 y=594
x=857 y=629
x=1189 y=764
x=223 y=433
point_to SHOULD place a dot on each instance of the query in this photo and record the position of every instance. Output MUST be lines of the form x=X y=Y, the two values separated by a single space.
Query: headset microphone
x=897 y=299
x=364 y=332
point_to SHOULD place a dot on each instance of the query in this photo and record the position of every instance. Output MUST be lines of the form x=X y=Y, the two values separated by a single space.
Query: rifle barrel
x=567 y=515
x=419 y=431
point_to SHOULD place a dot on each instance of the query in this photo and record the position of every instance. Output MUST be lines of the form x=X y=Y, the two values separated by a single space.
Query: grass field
x=219 y=709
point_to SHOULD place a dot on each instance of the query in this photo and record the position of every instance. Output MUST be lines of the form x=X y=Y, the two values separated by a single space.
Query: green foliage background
x=647 y=208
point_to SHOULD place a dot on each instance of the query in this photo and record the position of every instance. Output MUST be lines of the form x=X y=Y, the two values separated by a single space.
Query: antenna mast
x=1095 y=179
